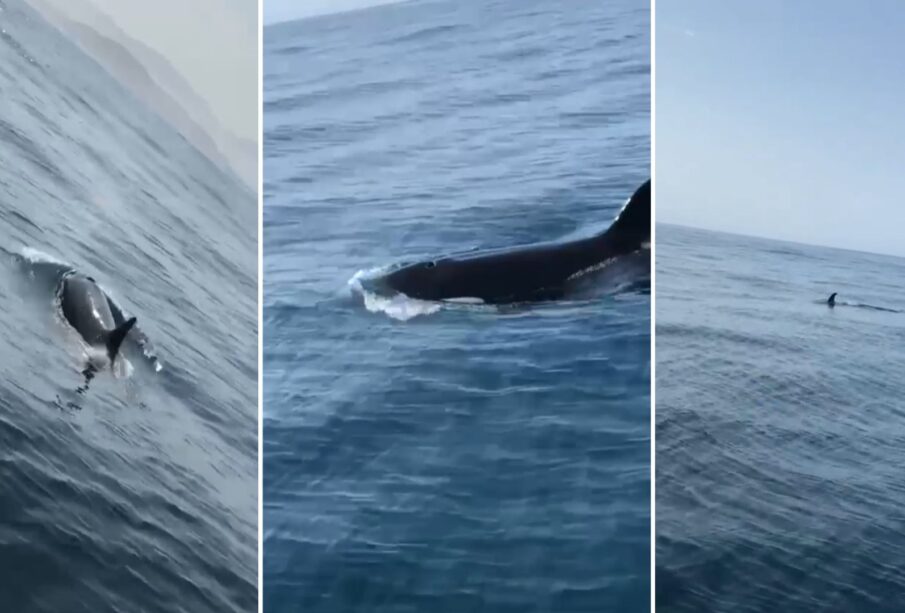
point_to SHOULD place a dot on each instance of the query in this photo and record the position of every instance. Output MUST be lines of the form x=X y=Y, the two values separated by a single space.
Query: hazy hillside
x=155 y=81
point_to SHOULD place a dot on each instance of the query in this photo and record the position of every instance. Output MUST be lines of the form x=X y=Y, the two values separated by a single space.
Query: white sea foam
x=36 y=255
x=397 y=306
x=97 y=358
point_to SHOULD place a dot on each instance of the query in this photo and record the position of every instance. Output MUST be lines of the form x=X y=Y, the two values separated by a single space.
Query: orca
x=88 y=310
x=527 y=273
x=831 y=301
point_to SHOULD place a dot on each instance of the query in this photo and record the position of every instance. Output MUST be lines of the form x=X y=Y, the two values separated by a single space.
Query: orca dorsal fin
x=832 y=299
x=116 y=337
x=632 y=225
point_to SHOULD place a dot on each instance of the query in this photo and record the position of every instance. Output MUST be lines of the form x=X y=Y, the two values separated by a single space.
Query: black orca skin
x=527 y=273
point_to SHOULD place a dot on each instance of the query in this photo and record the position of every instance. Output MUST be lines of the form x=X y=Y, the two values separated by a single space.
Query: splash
x=50 y=269
x=37 y=256
x=397 y=306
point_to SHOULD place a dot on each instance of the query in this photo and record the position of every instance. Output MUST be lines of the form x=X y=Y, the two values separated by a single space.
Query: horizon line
x=779 y=240
x=328 y=12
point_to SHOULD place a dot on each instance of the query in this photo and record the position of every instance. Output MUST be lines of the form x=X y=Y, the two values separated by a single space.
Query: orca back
x=85 y=307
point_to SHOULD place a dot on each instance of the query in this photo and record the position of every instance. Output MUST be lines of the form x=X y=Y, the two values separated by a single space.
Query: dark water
x=138 y=495
x=780 y=426
x=465 y=459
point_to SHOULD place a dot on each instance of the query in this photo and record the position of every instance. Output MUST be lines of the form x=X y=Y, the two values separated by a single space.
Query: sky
x=287 y=10
x=783 y=119
x=213 y=43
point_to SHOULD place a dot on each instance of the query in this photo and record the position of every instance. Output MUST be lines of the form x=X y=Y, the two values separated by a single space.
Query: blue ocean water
x=138 y=494
x=466 y=459
x=780 y=426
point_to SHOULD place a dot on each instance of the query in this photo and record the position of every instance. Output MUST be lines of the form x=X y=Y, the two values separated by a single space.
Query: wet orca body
x=831 y=302
x=88 y=310
x=527 y=273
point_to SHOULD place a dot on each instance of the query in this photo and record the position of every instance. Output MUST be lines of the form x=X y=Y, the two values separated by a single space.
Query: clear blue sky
x=287 y=10
x=783 y=119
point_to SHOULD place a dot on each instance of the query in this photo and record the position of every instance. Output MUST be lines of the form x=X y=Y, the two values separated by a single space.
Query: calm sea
x=139 y=494
x=780 y=426
x=464 y=459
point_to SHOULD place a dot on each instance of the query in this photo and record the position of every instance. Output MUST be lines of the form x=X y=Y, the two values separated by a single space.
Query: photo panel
x=457 y=306
x=128 y=257
x=779 y=307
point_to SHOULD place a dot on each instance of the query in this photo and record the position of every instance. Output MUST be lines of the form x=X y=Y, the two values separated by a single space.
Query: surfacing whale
x=88 y=310
x=527 y=273
x=831 y=302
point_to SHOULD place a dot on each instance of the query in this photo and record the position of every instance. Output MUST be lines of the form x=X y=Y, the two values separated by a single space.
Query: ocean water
x=780 y=426
x=138 y=494
x=456 y=458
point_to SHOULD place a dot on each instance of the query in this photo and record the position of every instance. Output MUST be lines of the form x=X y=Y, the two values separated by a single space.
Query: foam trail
x=40 y=257
x=398 y=306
